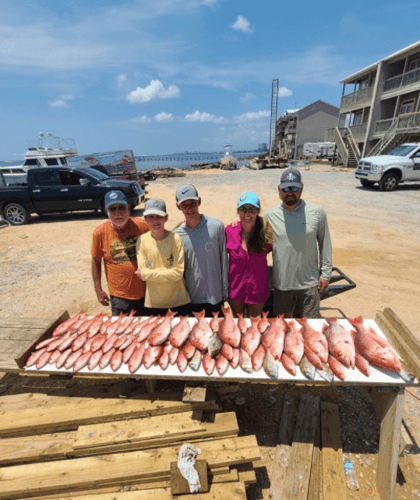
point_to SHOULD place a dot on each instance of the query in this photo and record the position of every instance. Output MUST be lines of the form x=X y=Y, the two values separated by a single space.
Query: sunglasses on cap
x=248 y=210
x=293 y=189
x=121 y=208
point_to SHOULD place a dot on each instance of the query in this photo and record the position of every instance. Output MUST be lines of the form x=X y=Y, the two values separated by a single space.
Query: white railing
x=359 y=131
x=342 y=150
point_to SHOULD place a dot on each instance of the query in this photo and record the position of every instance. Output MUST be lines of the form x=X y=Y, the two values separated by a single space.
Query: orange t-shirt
x=118 y=248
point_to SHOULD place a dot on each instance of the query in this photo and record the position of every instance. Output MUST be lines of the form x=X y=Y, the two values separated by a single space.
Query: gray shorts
x=297 y=303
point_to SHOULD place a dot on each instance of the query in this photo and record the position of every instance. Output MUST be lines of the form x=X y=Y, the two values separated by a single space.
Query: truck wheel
x=389 y=182
x=366 y=184
x=16 y=214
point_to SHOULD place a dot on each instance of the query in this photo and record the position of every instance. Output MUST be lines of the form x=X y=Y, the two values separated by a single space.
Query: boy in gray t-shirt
x=206 y=261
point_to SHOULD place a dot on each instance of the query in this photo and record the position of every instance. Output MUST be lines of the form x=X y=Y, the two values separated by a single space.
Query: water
x=185 y=160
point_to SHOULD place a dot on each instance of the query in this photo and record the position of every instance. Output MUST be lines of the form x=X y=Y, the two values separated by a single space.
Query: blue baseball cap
x=248 y=198
x=114 y=197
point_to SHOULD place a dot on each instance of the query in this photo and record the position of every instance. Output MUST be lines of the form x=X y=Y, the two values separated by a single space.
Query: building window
x=407 y=107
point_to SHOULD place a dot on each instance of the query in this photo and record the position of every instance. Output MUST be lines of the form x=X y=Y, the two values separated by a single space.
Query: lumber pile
x=119 y=449
x=308 y=463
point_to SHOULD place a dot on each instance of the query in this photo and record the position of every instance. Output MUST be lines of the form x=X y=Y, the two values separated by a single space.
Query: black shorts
x=119 y=305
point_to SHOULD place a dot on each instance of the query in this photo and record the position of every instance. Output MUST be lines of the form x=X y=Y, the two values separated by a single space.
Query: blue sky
x=163 y=76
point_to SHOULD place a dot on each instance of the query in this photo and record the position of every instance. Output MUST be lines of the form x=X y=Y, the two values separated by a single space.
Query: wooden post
x=389 y=405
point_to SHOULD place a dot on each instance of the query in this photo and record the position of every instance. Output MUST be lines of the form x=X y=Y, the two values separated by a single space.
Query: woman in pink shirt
x=248 y=242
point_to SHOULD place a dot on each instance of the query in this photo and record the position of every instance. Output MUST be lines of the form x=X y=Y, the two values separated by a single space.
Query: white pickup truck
x=400 y=165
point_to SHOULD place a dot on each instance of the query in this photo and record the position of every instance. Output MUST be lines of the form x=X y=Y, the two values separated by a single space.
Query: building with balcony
x=298 y=126
x=380 y=107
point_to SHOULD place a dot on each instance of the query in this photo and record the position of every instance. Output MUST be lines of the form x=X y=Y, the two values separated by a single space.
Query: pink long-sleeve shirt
x=248 y=272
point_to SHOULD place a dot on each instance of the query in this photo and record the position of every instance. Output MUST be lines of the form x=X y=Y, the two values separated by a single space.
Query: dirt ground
x=45 y=269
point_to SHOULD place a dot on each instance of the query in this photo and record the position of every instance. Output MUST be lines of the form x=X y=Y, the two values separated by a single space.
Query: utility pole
x=274 y=100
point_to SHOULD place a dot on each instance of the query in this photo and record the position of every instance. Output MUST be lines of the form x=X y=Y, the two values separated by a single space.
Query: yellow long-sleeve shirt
x=162 y=268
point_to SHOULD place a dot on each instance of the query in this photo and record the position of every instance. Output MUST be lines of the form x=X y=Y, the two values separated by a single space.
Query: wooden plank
x=70 y=416
x=315 y=483
x=404 y=332
x=389 y=442
x=21 y=356
x=333 y=477
x=145 y=429
x=9 y=333
x=281 y=458
x=247 y=477
x=225 y=425
x=44 y=447
x=11 y=347
x=300 y=460
x=228 y=491
x=410 y=357
x=80 y=473
x=194 y=394
x=25 y=323
x=179 y=485
x=15 y=402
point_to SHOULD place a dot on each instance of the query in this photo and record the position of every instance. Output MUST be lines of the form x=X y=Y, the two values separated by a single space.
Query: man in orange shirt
x=115 y=243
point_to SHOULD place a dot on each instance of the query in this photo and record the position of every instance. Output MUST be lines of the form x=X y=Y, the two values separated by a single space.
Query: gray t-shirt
x=298 y=235
x=206 y=261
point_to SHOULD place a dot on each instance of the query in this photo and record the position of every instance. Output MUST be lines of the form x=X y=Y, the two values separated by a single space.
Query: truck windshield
x=403 y=150
x=95 y=173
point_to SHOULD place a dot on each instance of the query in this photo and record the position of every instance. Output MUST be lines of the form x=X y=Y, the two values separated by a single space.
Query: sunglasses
x=121 y=208
x=293 y=189
x=246 y=210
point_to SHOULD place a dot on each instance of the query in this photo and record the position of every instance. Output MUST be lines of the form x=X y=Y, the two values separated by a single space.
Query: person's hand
x=322 y=285
x=102 y=297
x=235 y=223
x=138 y=273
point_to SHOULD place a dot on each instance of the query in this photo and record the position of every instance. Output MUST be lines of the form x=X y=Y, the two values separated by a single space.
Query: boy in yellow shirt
x=160 y=259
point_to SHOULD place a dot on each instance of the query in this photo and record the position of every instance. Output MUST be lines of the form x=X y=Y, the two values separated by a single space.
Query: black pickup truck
x=62 y=189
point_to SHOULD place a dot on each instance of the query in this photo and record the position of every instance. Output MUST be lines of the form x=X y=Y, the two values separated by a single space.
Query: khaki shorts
x=306 y=301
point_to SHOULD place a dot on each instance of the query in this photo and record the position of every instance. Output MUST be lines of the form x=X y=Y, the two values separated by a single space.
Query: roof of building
x=372 y=66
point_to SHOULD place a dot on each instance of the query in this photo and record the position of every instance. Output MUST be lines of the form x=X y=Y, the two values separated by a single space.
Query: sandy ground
x=45 y=266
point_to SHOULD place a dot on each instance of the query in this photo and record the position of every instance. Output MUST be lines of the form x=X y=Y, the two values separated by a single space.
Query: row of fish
x=217 y=344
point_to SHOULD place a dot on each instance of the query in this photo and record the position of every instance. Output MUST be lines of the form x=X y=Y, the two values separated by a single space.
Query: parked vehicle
x=62 y=189
x=402 y=164
x=318 y=149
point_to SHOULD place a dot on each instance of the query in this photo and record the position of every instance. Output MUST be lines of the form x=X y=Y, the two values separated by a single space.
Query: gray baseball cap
x=114 y=197
x=186 y=192
x=155 y=206
x=291 y=178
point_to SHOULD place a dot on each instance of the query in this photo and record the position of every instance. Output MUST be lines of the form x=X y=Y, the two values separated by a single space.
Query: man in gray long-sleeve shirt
x=302 y=253
x=206 y=261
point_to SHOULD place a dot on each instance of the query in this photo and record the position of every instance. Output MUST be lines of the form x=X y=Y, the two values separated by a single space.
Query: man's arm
x=224 y=263
x=325 y=252
x=96 y=275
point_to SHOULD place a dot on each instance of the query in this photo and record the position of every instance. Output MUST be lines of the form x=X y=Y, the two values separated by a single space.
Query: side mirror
x=84 y=182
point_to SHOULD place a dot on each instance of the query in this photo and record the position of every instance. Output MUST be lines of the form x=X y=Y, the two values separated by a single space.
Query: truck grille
x=364 y=166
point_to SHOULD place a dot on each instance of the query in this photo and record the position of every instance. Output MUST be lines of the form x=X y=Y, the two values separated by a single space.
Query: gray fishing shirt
x=206 y=260
x=299 y=233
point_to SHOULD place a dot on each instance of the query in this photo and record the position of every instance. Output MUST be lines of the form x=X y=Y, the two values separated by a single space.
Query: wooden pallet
x=100 y=449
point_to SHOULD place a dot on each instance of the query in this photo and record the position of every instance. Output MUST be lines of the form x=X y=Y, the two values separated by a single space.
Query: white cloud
x=61 y=102
x=141 y=119
x=121 y=79
x=259 y=115
x=249 y=96
x=164 y=117
x=155 y=91
x=285 y=92
x=203 y=117
x=242 y=24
